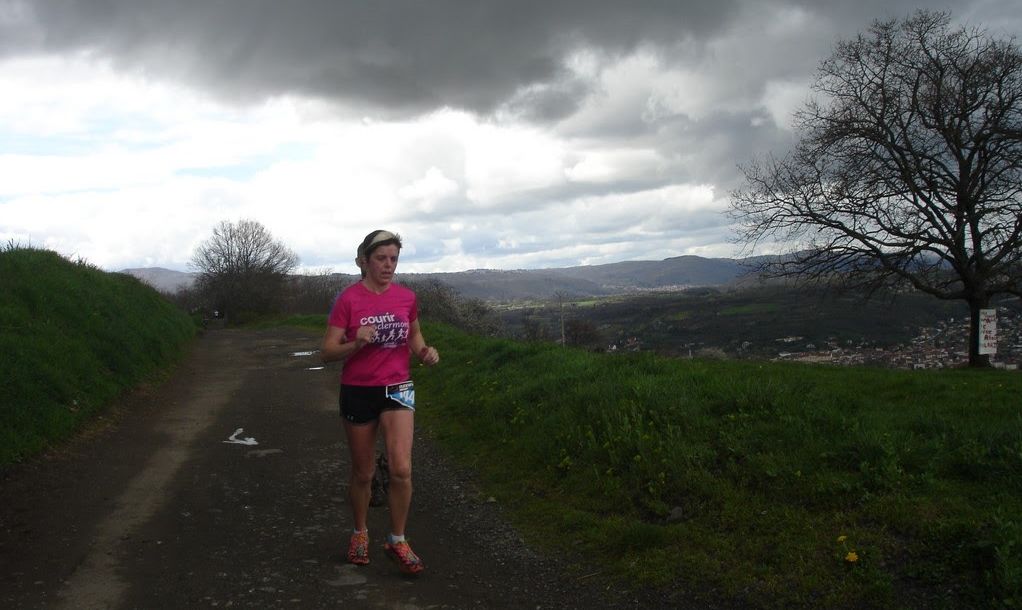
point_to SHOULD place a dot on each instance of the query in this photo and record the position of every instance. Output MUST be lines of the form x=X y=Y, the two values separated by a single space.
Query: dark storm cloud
x=407 y=56
x=400 y=57
x=725 y=141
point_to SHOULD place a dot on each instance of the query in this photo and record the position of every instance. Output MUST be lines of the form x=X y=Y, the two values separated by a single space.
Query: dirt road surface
x=165 y=504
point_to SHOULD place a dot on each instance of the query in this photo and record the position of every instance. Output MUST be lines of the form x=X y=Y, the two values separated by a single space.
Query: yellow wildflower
x=852 y=557
x=842 y=538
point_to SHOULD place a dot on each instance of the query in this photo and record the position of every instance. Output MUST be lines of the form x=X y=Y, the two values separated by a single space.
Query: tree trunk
x=976 y=359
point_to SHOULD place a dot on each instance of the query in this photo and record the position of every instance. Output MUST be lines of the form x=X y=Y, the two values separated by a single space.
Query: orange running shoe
x=358 y=548
x=404 y=556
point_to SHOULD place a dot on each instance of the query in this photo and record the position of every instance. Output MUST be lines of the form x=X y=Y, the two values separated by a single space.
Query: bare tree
x=908 y=169
x=313 y=293
x=242 y=268
x=440 y=302
x=582 y=333
x=534 y=328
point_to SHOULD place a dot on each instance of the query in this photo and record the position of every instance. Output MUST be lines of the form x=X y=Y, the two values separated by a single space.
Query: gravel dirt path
x=157 y=507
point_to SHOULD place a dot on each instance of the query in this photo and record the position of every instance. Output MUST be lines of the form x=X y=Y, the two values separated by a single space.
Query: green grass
x=750 y=309
x=775 y=472
x=315 y=322
x=72 y=337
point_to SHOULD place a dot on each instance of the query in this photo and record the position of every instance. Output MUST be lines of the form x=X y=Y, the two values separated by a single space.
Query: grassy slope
x=791 y=485
x=71 y=338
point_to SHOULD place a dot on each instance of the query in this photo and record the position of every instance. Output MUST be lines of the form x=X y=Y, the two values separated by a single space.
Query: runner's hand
x=365 y=334
x=429 y=355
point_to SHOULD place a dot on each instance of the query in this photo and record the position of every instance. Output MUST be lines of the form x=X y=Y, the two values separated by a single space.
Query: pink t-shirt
x=385 y=360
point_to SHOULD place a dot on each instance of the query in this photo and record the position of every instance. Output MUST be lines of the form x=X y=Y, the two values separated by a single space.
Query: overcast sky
x=504 y=134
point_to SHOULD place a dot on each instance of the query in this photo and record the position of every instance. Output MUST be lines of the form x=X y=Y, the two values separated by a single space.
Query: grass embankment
x=72 y=337
x=776 y=485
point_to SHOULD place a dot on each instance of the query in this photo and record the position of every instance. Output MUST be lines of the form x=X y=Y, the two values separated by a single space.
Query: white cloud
x=137 y=189
x=783 y=98
x=501 y=162
x=425 y=192
x=609 y=166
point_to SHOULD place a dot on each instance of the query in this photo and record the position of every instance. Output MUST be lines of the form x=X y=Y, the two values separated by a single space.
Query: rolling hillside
x=594 y=280
x=525 y=284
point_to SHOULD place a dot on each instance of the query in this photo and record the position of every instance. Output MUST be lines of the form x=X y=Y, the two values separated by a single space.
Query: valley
x=773 y=323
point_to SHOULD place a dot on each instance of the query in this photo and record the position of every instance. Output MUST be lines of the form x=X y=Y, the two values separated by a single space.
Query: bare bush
x=242 y=269
x=441 y=303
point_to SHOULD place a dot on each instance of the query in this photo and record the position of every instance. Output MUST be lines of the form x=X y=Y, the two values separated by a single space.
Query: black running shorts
x=363 y=404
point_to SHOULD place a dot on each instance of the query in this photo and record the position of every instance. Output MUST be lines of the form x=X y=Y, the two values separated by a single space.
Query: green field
x=750 y=309
x=776 y=485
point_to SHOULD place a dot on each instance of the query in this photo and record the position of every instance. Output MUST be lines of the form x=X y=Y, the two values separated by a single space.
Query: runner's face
x=381 y=264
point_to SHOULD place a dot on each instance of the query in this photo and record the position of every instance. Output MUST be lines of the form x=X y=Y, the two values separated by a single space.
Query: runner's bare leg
x=362 y=444
x=398 y=427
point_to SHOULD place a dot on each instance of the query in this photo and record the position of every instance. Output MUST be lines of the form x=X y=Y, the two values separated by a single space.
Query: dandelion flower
x=852 y=557
x=842 y=538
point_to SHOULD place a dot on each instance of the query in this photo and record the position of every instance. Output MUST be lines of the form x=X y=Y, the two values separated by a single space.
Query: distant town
x=904 y=331
x=942 y=346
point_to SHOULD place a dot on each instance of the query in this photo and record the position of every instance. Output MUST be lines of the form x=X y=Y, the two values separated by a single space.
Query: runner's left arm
x=417 y=343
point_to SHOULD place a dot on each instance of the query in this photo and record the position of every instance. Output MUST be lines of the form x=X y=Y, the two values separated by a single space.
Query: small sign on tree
x=988 y=331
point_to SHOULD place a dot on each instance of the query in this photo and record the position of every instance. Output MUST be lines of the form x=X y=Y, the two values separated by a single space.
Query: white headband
x=381 y=236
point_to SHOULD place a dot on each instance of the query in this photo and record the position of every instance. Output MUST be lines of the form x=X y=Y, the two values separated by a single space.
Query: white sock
x=395 y=539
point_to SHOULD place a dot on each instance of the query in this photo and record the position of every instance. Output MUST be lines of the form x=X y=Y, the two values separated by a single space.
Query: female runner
x=373 y=327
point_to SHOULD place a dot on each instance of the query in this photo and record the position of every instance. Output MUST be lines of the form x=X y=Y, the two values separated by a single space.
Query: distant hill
x=680 y=271
x=592 y=280
x=164 y=280
x=497 y=285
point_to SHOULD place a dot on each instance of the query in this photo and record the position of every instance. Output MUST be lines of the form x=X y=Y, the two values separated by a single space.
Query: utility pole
x=560 y=304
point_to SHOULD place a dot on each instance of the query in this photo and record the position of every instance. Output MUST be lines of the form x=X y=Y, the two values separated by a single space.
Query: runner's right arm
x=337 y=347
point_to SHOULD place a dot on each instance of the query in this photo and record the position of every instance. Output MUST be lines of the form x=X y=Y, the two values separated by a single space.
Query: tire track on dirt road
x=97 y=582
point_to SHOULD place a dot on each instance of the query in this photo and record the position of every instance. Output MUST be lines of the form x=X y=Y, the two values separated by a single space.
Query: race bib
x=402 y=393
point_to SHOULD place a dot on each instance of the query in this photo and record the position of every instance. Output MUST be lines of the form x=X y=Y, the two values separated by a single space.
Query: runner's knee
x=362 y=476
x=400 y=471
